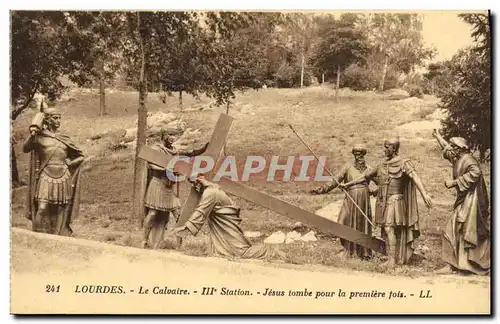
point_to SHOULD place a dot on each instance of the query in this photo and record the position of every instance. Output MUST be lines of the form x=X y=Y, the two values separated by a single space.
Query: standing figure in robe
x=223 y=218
x=466 y=236
x=54 y=176
x=360 y=193
x=160 y=200
x=396 y=208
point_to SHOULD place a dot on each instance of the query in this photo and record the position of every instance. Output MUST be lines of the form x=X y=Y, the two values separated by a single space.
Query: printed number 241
x=51 y=288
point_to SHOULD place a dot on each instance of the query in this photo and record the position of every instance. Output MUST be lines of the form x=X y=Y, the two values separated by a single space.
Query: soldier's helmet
x=394 y=142
x=359 y=148
x=52 y=111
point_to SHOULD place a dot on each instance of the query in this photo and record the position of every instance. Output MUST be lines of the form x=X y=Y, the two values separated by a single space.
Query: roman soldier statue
x=396 y=209
x=160 y=200
x=54 y=175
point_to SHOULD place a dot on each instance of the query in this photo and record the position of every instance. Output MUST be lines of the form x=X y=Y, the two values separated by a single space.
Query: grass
x=330 y=124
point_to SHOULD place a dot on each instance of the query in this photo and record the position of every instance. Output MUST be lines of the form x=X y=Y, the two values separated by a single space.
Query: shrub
x=415 y=90
x=361 y=78
x=358 y=78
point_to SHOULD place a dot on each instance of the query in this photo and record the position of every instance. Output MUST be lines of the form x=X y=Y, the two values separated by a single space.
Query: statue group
x=53 y=200
x=466 y=237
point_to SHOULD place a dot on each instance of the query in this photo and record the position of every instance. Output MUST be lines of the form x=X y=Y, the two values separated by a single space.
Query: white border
x=183 y=5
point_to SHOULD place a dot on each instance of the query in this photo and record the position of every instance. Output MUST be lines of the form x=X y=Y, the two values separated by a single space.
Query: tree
x=234 y=52
x=468 y=100
x=396 y=40
x=303 y=29
x=143 y=34
x=40 y=52
x=180 y=69
x=100 y=36
x=182 y=72
x=342 y=43
x=38 y=58
x=438 y=78
x=150 y=39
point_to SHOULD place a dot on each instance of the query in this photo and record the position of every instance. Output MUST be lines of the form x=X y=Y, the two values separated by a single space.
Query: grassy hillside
x=330 y=123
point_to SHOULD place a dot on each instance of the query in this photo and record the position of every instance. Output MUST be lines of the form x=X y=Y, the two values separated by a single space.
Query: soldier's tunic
x=396 y=204
x=466 y=236
x=160 y=193
x=223 y=218
x=54 y=185
x=160 y=197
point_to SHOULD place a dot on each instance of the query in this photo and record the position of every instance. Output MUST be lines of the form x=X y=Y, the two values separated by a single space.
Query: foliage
x=38 y=57
x=396 y=40
x=235 y=52
x=438 y=79
x=415 y=90
x=100 y=37
x=180 y=67
x=468 y=99
x=341 y=43
x=359 y=77
x=399 y=36
x=413 y=84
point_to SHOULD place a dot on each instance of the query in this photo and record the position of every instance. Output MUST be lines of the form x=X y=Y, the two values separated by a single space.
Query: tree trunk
x=384 y=72
x=140 y=165
x=180 y=100
x=302 y=71
x=228 y=105
x=102 y=88
x=322 y=78
x=338 y=76
x=13 y=166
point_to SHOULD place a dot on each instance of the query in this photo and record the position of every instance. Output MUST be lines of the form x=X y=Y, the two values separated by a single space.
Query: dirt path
x=39 y=260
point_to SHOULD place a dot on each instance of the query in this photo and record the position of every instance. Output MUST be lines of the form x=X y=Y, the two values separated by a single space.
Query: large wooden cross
x=279 y=206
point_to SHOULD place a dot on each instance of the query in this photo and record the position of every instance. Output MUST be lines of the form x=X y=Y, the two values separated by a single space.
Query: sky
x=442 y=29
x=446 y=32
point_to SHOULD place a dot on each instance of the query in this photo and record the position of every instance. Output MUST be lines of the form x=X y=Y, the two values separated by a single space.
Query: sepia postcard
x=250 y=162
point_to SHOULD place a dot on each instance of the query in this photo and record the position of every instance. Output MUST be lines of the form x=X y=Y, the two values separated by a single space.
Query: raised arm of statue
x=194 y=152
x=368 y=176
x=441 y=141
x=155 y=167
x=29 y=144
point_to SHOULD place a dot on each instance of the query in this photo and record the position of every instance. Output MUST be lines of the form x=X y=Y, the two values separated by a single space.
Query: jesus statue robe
x=223 y=218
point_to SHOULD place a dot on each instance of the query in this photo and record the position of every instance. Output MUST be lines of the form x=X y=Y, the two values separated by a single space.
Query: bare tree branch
x=18 y=110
